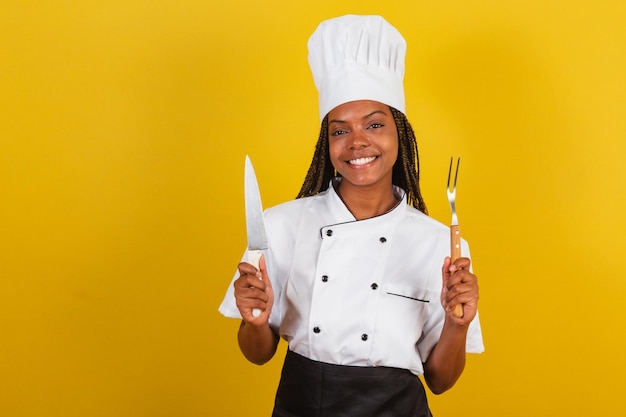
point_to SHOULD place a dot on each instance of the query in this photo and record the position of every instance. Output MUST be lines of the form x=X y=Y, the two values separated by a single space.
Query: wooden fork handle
x=455 y=253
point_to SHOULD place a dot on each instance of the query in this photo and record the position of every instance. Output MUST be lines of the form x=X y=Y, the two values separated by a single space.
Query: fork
x=455 y=232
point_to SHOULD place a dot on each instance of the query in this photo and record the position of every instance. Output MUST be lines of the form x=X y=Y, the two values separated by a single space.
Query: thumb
x=445 y=277
x=263 y=269
x=266 y=280
x=445 y=271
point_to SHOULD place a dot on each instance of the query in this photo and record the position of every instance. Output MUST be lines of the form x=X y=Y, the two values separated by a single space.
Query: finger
x=246 y=295
x=458 y=277
x=463 y=292
x=252 y=277
x=251 y=293
x=246 y=307
x=469 y=301
x=459 y=272
x=461 y=281
x=248 y=269
x=250 y=282
x=460 y=263
x=462 y=276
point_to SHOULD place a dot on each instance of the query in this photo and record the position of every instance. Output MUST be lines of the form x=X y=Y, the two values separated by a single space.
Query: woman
x=356 y=279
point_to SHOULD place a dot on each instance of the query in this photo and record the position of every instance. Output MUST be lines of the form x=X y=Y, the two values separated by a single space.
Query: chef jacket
x=361 y=293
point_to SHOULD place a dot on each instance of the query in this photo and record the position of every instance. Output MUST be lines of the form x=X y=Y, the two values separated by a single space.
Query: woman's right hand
x=253 y=290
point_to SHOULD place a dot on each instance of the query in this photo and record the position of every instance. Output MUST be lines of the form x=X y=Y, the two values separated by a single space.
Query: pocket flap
x=409 y=292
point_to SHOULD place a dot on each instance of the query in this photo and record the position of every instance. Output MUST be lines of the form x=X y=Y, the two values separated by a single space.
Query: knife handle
x=455 y=253
x=254 y=257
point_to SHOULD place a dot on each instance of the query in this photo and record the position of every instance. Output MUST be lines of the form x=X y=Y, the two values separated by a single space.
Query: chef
x=357 y=278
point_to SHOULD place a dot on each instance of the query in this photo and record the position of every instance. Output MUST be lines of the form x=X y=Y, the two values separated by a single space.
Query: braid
x=321 y=170
x=405 y=170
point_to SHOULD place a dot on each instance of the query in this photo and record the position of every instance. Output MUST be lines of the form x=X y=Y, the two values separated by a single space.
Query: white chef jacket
x=362 y=293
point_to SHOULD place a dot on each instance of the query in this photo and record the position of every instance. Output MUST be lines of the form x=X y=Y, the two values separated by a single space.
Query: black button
x=374 y=286
x=316 y=329
x=383 y=239
x=364 y=337
x=324 y=278
x=329 y=232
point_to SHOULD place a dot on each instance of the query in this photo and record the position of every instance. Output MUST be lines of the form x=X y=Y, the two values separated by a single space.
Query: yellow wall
x=123 y=130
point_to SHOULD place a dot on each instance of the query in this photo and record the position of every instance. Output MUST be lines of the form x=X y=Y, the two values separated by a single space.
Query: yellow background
x=123 y=131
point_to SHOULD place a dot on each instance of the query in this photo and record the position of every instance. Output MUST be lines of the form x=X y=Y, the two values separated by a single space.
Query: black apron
x=315 y=389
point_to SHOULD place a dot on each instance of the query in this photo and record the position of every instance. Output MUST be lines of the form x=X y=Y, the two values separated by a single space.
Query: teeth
x=362 y=161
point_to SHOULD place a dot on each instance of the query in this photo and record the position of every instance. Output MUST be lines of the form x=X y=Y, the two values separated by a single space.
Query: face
x=363 y=143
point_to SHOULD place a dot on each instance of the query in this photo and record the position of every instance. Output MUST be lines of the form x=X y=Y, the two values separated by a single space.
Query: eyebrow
x=362 y=118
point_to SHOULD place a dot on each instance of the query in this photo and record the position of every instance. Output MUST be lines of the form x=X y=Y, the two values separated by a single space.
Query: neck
x=367 y=202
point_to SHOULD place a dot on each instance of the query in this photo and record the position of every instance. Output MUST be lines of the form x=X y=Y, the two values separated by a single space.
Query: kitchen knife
x=257 y=239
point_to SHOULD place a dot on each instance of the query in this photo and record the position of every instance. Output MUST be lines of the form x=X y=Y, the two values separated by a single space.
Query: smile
x=361 y=161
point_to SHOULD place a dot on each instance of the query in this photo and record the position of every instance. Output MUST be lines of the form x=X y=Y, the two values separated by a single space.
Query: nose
x=359 y=140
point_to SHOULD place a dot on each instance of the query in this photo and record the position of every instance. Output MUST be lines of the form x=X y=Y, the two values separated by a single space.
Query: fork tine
x=456 y=173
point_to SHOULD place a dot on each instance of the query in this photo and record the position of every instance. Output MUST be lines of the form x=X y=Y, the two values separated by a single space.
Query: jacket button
x=383 y=239
x=324 y=278
x=364 y=337
x=316 y=329
x=329 y=232
x=374 y=286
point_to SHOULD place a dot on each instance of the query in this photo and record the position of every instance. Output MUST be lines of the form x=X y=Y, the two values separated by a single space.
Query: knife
x=257 y=239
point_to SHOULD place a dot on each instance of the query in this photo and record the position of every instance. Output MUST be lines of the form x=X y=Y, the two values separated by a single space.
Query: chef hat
x=357 y=58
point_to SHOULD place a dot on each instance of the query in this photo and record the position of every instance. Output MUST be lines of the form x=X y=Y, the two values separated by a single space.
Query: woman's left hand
x=460 y=286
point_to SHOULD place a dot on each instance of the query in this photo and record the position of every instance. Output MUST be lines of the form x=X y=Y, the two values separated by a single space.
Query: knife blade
x=255 y=226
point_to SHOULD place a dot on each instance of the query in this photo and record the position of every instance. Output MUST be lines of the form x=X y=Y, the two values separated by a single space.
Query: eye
x=375 y=126
x=338 y=132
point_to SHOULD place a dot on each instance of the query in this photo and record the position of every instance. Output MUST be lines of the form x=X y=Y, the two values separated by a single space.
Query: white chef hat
x=357 y=58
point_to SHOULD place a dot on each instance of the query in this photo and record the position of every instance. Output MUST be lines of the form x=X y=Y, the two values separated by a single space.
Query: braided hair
x=405 y=170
